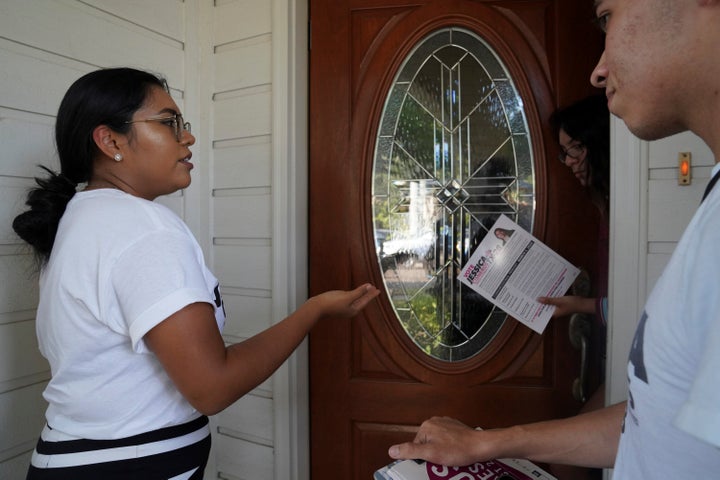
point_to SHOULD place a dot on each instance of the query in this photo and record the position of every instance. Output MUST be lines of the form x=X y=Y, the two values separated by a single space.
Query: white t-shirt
x=120 y=265
x=672 y=422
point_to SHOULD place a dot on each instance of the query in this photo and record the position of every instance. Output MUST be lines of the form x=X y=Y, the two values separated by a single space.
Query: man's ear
x=105 y=139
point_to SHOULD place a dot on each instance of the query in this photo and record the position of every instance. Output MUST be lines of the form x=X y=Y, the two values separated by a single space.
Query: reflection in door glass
x=452 y=154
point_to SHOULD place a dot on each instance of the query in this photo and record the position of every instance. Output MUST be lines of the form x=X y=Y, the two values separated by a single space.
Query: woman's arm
x=212 y=376
x=588 y=440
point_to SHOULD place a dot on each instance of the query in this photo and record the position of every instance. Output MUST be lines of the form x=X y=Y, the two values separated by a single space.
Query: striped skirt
x=173 y=453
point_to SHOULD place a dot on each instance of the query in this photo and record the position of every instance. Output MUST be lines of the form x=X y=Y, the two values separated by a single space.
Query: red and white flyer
x=503 y=469
x=511 y=268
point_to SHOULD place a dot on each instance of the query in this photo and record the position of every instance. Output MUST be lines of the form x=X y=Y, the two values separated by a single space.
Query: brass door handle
x=579 y=331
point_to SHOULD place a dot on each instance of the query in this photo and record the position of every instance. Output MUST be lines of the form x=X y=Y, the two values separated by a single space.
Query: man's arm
x=589 y=440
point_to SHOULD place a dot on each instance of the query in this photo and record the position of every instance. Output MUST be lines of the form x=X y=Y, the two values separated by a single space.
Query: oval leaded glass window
x=452 y=154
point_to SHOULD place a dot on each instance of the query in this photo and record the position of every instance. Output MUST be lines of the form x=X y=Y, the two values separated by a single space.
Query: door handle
x=579 y=331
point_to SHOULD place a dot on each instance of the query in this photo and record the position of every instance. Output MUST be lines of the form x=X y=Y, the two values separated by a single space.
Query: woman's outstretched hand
x=345 y=303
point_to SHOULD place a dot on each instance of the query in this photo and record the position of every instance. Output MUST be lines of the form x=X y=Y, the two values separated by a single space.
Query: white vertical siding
x=672 y=205
x=45 y=46
x=241 y=209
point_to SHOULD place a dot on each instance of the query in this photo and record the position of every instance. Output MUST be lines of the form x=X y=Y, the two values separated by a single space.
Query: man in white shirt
x=661 y=74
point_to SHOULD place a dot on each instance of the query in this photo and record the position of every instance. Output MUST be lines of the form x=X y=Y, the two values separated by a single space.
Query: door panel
x=370 y=384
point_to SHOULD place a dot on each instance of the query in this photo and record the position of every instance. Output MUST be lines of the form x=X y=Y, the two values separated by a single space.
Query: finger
x=403 y=451
x=360 y=291
x=548 y=301
x=365 y=293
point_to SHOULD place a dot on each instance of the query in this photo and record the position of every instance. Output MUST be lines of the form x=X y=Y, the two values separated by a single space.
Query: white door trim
x=289 y=249
x=628 y=251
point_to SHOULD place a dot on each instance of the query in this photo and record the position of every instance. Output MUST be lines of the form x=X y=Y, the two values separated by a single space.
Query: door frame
x=627 y=282
x=290 y=143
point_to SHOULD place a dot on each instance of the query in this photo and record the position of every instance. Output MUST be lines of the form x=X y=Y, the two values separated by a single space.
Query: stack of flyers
x=502 y=469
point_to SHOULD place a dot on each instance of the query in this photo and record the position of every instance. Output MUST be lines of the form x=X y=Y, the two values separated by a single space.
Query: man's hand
x=444 y=441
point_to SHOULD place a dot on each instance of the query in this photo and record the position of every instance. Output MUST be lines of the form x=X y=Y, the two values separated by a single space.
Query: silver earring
x=118 y=157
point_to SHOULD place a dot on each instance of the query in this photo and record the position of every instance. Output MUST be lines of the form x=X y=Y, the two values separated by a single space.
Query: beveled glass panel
x=452 y=154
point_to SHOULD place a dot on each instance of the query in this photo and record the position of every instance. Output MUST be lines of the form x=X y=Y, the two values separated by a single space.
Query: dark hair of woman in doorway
x=583 y=130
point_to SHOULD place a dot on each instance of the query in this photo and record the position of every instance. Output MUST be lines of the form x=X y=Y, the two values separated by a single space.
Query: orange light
x=684 y=167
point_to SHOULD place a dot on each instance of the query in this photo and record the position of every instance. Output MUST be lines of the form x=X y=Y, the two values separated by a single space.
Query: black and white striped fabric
x=173 y=453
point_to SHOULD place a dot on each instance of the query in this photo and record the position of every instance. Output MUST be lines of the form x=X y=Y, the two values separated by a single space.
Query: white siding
x=241 y=233
x=220 y=61
x=670 y=206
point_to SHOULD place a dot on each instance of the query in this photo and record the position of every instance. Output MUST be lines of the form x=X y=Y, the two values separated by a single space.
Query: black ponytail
x=47 y=203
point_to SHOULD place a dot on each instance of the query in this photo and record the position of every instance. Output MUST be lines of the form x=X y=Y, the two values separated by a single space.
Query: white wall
x=241 y=229
x=232 y=66
x=258 y=207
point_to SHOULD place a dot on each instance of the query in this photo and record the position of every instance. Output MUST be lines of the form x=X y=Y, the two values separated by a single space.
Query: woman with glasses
x=583 y=132
x=129 y=316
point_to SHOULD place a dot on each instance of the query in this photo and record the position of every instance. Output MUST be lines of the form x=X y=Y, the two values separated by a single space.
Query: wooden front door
x=370 y=383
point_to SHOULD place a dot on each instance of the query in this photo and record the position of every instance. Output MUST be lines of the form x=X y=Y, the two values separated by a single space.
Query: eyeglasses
x=573 y=152
x=176 y=122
